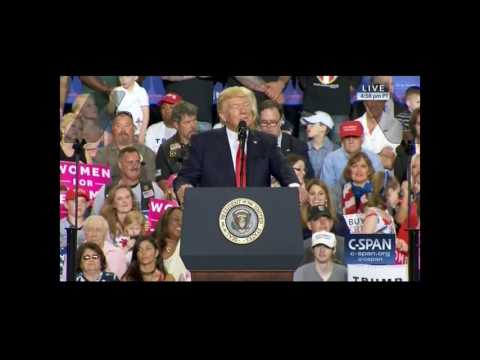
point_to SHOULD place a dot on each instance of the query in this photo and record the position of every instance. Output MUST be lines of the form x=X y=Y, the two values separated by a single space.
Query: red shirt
x=400 y=256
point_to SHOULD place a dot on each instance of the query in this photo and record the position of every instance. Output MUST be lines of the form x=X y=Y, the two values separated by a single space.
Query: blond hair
x=66 y=122
x=79 y=101
x=237 y=91
x=134 y=217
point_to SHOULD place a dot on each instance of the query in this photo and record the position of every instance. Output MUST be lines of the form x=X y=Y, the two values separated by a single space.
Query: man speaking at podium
x=236 y=155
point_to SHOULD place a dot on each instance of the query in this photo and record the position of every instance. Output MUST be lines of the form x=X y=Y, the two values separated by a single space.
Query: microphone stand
x=413 y=247
x=242 y=135
x=72 y=231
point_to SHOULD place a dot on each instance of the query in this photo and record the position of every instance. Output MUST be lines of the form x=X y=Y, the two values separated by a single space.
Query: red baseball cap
x=81 y=192
x=170 y=98
x=351 y=128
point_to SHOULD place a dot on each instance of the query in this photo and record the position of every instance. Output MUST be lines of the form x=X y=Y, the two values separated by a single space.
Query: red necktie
x=241 y=182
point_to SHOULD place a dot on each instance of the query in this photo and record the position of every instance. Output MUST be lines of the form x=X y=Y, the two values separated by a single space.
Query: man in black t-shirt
x=197 y=90
x=330 y=94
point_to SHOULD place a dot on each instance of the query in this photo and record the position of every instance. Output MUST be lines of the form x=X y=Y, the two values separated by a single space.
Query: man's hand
x=274 y=90
x=303 y=195
x=181 y=192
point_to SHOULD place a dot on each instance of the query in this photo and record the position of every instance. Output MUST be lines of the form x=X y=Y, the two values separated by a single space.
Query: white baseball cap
x=320 y=117
x=324 y=238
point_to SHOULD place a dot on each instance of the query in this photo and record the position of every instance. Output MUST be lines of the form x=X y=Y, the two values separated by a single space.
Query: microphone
x=242 y=131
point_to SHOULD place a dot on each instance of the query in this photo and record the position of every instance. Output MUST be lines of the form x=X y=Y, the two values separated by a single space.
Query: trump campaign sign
x=354 y=223
x=377 y=273
x=156 y=209
x=378 y=249
x=91 y=177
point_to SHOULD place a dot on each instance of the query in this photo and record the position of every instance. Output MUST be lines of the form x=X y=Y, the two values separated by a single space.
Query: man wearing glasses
x=270 y=121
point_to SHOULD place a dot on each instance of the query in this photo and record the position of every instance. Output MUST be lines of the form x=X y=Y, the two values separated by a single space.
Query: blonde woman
x=71 y=129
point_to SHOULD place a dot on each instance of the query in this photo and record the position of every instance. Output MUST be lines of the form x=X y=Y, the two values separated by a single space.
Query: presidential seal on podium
x=241 y=221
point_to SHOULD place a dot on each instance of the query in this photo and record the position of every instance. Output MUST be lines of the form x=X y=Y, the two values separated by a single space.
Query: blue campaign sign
x=373 y=249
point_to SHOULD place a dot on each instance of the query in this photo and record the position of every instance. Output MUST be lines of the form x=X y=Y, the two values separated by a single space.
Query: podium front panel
x=204 y=247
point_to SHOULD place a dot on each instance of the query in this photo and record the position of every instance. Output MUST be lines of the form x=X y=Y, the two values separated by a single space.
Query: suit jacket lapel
x=225 y=157
x=253 y=150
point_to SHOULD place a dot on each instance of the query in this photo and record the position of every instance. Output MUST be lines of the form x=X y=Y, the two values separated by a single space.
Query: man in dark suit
x=270 y=121
x=215 y=156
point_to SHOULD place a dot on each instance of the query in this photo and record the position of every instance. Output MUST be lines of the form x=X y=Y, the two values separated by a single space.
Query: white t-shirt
x=376 y=140
x=133 y=101
x=157 y=134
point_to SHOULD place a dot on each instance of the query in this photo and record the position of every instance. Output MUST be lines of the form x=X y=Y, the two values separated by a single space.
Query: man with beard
x=122 y=131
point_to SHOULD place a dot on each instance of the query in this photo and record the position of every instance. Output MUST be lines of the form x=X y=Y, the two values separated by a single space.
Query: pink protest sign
x=156 y=209
x=91 y=177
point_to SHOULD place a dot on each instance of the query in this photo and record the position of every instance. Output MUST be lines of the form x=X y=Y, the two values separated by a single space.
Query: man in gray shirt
x=323 y=268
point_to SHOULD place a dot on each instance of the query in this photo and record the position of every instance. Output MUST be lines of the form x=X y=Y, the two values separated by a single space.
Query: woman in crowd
x=167 y=234
x=120 y=201
x=358 y=175
x=97 y=231
x=147 y=263
x=318 y=196
x=91 y=264
x=71 y=129
x=86 y=111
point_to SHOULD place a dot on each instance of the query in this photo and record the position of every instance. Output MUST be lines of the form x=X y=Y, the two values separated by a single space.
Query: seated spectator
x=404 y=151
x=97 y=231
x=322 y=220
x=159 y=133
x=323 y=268
x=129 y=164
x=147 y=264
x=122 y=133
x=167 y=235
x=412 y=100
x=358 y=175
x=70 y=130
x=92 y=264
x=173 y=153
x=83 y=203
x=131 y=97
x=319 y=146
x=351 y=133
x=271 y=120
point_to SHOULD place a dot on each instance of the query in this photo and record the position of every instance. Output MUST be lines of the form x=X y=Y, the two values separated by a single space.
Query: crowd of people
x=346 y=158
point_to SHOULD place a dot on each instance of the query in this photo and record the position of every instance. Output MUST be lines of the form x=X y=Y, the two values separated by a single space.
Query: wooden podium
x=244 y=275
x=211 y=254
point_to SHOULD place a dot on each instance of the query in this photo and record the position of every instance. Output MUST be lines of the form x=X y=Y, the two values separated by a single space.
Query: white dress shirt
x=376 y=140
x=233 y=142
